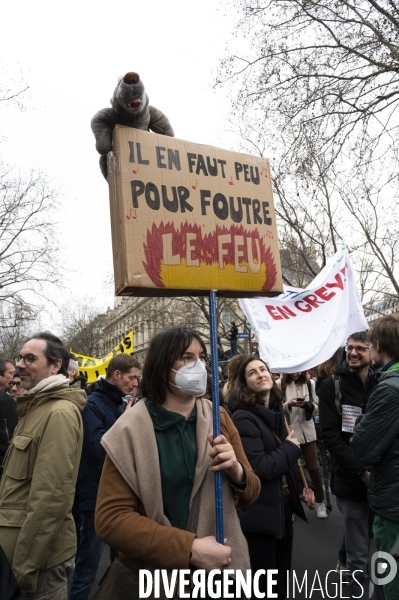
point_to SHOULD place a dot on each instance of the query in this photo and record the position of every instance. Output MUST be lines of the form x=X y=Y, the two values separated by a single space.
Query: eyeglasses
x=190 y=360
x=358 y=349
x=16 y=383
x=28 y=359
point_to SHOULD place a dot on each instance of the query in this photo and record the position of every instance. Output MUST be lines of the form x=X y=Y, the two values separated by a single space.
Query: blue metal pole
x=216 y=414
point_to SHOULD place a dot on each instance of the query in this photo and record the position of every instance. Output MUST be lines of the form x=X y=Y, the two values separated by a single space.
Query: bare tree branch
x=28 y=243
x=318 y=92
x=13 y=90
x=82 y=327
x=17 y=319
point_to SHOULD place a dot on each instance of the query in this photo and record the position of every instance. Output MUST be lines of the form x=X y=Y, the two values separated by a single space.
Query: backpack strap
x=337 y=392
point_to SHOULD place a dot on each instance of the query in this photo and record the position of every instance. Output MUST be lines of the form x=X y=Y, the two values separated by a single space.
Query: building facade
x=379 y=308
x=147 y=316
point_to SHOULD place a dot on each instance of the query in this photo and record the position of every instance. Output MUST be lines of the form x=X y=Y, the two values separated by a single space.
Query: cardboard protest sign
x=188 y=218
x=92 y=368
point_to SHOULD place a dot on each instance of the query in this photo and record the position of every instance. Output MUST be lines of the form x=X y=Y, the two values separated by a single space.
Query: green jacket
x=375 y=443
x=37 y=487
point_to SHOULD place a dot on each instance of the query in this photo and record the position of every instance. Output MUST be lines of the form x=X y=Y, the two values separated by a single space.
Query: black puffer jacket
x=376 y=443
x=8 y=421
x=348 y=470
x=270 y=461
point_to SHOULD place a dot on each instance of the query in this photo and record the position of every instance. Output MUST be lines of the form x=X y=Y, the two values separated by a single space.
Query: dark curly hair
x=244 y=397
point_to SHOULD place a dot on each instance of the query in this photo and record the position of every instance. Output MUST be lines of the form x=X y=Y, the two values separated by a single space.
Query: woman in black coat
x=267 y=524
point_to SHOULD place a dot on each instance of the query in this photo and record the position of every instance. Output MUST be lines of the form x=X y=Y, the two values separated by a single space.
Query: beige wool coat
x=129 y=511
x=304 y=430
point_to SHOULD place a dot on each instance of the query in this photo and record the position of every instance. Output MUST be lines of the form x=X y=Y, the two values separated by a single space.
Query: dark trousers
x=76 y=515
x=385 y=534
x=309 y=453
x=267 y=552
x=87 y=559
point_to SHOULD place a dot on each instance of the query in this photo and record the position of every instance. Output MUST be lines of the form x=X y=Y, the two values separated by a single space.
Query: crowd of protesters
x=87 y=466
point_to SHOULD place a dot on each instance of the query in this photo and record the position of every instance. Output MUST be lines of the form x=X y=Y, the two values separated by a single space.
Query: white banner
x=302 y=328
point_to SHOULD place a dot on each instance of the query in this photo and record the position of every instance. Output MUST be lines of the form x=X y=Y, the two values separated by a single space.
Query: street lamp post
x=246 y=341
x=248 y=326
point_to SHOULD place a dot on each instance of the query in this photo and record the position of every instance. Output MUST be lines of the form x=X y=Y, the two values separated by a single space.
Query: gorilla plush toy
x=129 y=107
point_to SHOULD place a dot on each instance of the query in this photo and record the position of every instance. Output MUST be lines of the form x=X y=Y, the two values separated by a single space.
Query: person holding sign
x=342 y=398
x=155 y=502
x=258 y=415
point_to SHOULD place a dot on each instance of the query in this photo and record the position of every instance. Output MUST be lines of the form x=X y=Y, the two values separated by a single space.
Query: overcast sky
x=72 y=54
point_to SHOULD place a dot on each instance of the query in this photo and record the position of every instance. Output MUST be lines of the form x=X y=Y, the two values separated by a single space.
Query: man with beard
x=37 y=532
x=376 y=441
x=342 y=398
x=16 y=390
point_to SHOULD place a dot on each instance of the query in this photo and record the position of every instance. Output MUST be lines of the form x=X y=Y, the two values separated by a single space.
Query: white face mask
x=191 y=380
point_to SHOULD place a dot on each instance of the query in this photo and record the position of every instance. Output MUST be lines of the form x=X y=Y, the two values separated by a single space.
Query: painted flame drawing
x=229 y=259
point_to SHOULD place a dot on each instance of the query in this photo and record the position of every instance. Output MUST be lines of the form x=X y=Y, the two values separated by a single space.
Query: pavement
x=315 y=553
x=314 y=557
